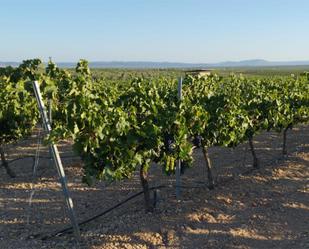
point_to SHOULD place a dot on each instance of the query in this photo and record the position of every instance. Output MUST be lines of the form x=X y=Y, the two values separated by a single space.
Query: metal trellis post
x=56 y=157
x=178 y=163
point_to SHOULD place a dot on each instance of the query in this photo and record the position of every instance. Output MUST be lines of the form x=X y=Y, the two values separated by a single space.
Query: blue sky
x=154 y=30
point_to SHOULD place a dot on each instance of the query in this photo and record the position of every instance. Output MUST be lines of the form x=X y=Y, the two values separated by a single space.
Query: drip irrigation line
x=71 y=157
x=69 y=229
x=202 y=185
x=40 y=157
x=20 y=158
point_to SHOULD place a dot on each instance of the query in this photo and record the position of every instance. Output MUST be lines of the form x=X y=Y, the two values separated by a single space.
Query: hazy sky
x=154 y=30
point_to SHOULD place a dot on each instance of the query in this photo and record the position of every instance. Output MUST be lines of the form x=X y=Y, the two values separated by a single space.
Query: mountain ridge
x=166 y=64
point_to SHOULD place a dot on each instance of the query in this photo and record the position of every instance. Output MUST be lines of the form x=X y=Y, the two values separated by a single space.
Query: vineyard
x=124 y=130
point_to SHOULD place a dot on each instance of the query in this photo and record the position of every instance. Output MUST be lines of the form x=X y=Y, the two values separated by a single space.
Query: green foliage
x=118 y=126
x=18 y=113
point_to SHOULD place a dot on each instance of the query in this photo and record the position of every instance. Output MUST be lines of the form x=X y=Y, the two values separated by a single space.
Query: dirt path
x=268 y=208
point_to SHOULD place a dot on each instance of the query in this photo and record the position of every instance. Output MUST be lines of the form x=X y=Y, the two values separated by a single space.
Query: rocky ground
x=265 y=208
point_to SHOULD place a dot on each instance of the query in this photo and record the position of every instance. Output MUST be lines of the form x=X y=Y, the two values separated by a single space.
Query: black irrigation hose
x=20 y=158
x=69 y=229
x=41 y=157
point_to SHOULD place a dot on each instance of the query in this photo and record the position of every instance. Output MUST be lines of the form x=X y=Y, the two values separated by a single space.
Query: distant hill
x=151 y=64
x=9 y=63
x=260 y=63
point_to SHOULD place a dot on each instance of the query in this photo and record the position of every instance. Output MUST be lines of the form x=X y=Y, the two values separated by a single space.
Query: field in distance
x=125 y=74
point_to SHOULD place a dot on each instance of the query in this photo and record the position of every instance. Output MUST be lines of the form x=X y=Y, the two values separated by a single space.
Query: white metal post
x=50 y=122
x=178 y=163
x=50 y=111
x=55 y=154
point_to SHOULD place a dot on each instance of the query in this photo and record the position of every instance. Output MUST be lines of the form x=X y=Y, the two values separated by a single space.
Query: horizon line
x=158 y=61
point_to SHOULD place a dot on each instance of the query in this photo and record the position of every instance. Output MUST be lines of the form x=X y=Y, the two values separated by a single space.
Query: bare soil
x=265 y=208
